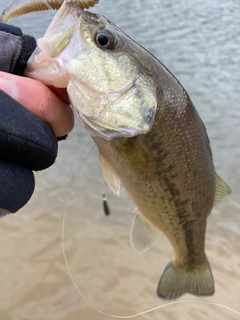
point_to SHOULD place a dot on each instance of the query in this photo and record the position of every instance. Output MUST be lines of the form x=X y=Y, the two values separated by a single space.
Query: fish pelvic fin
x=143 y=234
x=110 y=175
x=176 y=282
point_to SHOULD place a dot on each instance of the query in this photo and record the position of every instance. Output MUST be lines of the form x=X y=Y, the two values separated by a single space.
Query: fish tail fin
x=175 y=282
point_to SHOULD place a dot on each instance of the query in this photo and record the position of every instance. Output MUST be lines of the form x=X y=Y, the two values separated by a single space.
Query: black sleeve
x=26 y=142
x=15 y=49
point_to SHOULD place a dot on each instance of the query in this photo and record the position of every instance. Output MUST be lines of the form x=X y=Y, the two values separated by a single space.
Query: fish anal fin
x=143 y=234
x=110 y=175
x=175 y=282
x=221 y=189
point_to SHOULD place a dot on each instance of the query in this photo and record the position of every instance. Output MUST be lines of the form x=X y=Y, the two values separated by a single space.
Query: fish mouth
x=57 y=47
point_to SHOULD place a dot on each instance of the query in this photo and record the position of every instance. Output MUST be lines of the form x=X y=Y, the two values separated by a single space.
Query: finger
x=39 y=99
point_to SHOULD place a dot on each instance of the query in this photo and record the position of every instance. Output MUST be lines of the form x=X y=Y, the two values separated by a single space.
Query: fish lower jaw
x=54 y=78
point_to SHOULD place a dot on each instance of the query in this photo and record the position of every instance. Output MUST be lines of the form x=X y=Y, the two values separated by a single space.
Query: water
x=199 y=41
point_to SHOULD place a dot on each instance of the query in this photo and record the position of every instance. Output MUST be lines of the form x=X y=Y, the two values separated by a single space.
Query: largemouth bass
x=150 y=137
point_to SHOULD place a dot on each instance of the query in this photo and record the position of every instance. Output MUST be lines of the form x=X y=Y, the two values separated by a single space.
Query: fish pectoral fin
x=221 y=189
x=175 y=282
x=110 y=175
x=143 y=234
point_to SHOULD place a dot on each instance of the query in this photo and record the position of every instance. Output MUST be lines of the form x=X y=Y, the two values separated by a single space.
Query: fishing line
x=136 y=314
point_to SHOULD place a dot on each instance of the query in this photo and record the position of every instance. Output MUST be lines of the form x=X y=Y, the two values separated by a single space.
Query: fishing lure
x=20 y=7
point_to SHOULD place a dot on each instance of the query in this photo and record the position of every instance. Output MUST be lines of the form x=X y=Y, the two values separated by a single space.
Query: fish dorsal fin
x=221 y=189
x=110 y=175
x=143 y=234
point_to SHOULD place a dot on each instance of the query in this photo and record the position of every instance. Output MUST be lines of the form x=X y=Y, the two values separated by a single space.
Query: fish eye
x=105 y=40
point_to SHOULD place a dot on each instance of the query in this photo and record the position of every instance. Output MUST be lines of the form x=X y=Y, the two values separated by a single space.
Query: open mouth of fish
x=56 y=48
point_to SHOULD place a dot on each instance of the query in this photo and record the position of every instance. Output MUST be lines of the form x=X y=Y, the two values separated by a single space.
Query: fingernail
x=9 y=87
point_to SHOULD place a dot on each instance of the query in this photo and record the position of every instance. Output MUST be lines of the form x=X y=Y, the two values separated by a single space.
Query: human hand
x=31 y=116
